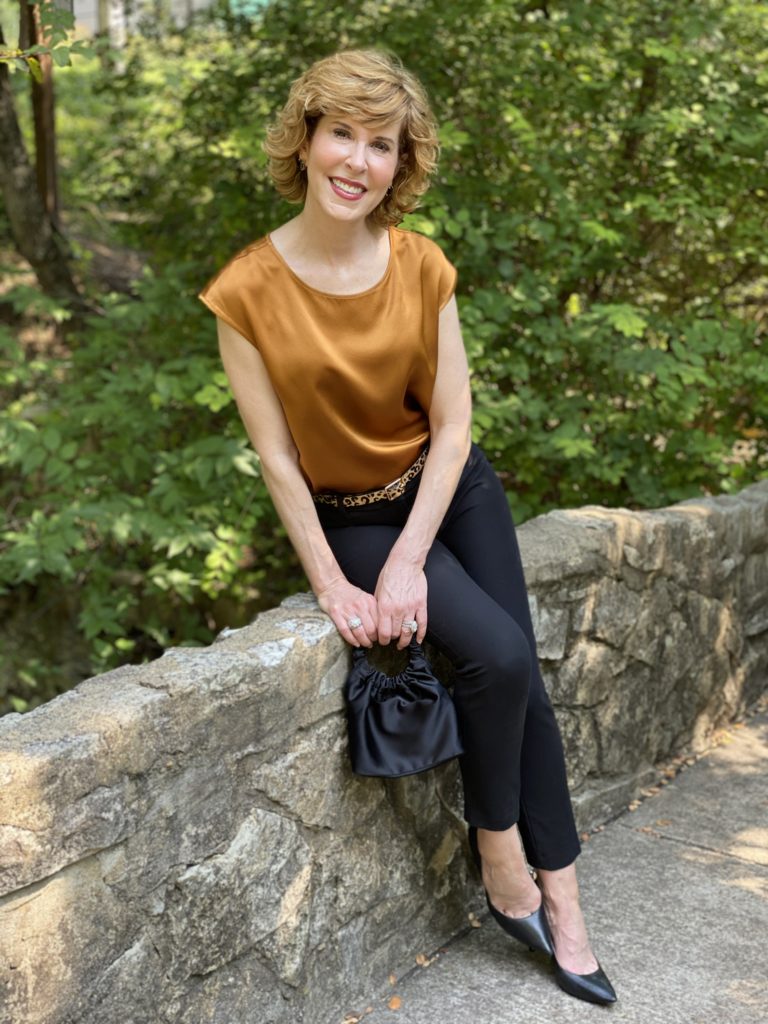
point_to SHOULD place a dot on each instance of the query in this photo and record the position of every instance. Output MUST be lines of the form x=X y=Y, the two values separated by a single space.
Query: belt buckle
x=395 y=489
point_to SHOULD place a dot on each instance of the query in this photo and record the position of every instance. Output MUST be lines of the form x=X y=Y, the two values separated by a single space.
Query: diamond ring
x=354 y=623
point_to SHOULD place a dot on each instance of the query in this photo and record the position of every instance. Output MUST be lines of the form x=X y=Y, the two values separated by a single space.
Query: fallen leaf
x=663 y=821
x=422 y=960
x=393 y=979
x=395 y=1003
x=473 y=920
x=351 y=1018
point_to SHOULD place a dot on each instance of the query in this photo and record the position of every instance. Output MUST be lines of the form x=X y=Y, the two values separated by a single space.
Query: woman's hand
x=401 y=596
x=344 y=602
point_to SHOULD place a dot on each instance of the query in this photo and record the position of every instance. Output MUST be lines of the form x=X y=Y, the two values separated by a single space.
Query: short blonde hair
x=369 y=86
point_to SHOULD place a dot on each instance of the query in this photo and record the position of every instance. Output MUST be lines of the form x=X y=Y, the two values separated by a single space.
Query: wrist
x=411 y=555
x=326 y=583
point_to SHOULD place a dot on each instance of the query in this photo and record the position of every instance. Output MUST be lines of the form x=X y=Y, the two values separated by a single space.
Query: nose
x=356 y=158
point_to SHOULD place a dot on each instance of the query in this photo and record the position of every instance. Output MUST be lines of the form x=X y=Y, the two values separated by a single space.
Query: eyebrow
x=378 y=138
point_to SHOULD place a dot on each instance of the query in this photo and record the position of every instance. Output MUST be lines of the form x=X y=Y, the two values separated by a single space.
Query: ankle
x=560 y=888
x=500 y=847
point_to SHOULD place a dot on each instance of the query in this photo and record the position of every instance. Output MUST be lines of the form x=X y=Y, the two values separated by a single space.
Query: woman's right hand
x=344 y=601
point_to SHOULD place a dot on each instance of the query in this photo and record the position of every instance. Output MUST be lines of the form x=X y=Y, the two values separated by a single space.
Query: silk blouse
x=354 y=373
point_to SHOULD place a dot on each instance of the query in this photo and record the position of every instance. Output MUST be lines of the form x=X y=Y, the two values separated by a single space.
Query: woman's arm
x=401 y=591
x=265 y=422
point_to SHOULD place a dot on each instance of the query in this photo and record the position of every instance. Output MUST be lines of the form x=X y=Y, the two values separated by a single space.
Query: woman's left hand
x=401 y=596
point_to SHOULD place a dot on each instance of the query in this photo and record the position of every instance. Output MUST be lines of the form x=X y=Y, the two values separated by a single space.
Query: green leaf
x=34 y=66
x=247 y=463
x=61 y=56
x=623 y=318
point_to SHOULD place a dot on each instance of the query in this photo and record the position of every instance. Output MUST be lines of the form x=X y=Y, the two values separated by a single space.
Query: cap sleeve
x=441 y=274
x=448 y=277
x=225 y=295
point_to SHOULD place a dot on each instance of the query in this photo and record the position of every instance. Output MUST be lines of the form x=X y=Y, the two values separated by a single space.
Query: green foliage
x=601 y=190
x=130 y=480
x=56 y=24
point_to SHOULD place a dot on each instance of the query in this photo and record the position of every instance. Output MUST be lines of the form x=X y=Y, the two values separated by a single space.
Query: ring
x=354 y=623
x=411 y=625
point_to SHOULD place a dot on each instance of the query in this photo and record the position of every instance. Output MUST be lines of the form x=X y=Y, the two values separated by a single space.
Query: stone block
x=554 y=549
x=625 y=723
x=186 y=816
x=56 y=938
x=243 y=990
x=128 y=990
x=254 y=894
x=67 y=776
x=580 y=742
x=313 y=782
x=550 y=627
x=587 y=676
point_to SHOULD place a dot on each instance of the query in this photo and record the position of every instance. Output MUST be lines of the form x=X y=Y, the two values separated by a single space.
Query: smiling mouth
x=347 y=188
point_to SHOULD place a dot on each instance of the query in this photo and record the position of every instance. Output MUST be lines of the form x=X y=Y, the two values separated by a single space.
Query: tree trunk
x=30 y=33
x=35 y=236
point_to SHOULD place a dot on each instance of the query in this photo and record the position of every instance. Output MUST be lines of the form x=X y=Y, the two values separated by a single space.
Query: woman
x=340 y=337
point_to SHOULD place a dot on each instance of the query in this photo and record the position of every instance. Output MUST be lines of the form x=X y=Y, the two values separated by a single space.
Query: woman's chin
x=344 y=213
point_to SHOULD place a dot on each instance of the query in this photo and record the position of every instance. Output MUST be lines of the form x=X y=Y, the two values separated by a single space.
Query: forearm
x=296 y=509
x=448 y=451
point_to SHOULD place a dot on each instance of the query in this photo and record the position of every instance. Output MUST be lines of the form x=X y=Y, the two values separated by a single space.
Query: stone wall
x=184 y=842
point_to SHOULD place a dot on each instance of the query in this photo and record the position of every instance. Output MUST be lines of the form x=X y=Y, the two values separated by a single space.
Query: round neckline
x=337 y=295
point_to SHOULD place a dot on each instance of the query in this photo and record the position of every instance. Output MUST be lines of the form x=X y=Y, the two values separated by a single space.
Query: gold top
x=354 y=373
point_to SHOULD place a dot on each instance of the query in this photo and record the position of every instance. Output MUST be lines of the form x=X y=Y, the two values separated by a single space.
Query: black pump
x=532 y=930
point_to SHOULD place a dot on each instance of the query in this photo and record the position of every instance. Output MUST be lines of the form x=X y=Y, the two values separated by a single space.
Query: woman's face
x=350 y=165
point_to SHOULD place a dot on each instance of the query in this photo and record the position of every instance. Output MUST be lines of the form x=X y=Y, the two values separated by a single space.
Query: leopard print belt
x=389 y=491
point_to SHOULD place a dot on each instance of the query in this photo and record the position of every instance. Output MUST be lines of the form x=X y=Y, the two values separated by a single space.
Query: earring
x=302 y=165
x=389 y=191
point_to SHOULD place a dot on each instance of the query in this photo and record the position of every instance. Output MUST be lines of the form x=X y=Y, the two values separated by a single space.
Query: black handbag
x=399 y=725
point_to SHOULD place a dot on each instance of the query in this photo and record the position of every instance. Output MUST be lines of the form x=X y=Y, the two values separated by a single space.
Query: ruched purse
x=402 y=724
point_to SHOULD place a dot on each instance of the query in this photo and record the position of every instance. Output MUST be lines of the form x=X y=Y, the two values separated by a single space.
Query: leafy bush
x=139 y=490
x=601 y=191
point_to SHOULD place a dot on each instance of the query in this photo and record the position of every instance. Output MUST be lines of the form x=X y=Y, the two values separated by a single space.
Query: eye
x=341 y=133
x=383 y=147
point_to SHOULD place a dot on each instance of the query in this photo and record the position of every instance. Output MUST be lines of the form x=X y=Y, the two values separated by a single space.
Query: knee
x=502 y=663
x=508 y=659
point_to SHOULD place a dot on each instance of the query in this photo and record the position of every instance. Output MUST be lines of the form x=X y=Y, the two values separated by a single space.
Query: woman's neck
x=331 y=256
x=335 y=242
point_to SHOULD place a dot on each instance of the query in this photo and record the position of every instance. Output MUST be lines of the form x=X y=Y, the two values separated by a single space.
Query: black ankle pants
x=513 y=768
